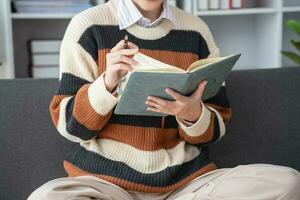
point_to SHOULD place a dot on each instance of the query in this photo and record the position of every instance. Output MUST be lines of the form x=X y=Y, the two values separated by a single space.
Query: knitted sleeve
x=216 y=111
x=81 y=106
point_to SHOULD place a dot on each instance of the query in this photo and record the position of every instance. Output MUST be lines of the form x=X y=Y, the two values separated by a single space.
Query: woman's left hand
x=185 y=107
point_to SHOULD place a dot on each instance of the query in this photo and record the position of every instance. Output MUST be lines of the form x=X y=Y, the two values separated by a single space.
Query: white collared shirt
x=128 y=14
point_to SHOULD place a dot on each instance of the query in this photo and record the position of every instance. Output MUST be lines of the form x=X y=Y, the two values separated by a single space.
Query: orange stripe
x=143 y=138
x=203 y=138
x=84 y=112
x=225 y=112
x=177 y=59
x=54 y=107
x=74 y=171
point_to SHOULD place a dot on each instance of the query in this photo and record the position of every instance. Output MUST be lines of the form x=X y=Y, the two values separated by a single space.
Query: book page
x=203 y=62
x=146 y=63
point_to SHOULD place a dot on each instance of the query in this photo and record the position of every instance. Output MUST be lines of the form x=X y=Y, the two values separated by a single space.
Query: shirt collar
x=128 y=14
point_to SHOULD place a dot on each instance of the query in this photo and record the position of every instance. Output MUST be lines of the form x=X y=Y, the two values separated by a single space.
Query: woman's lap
x=254 y=181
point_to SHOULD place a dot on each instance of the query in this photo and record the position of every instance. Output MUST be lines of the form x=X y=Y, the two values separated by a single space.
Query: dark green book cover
x=142 y=84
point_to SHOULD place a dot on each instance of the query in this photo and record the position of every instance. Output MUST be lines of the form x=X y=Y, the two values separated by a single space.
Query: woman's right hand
x=118 y=62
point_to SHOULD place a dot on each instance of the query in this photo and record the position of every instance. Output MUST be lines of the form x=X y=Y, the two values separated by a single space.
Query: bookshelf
x=257 y=31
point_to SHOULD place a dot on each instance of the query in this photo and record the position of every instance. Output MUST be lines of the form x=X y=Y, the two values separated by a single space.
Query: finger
x=159 y=111
x=122 y=66
x=117 y=58
x=162 y=102
x=132 y=45
x=118 y=46
x=173 y=94
x=199 y=91
x=155 y=105
x=129 y=52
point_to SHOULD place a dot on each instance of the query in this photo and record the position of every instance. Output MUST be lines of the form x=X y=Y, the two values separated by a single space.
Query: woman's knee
x=42 y=192
x=54 y=189
x=287 y=177
x=291 y=178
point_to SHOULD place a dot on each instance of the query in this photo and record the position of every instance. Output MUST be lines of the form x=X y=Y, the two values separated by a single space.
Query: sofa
x=265 y=128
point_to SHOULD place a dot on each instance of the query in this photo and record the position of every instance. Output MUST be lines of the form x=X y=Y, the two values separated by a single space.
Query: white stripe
x=75 y=60
x=140 y=160
x=221 y=122
x=61 y=127
x=200 y=126
x=101 y=100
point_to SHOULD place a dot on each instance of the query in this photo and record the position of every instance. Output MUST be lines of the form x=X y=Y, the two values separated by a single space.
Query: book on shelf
x=219 y=4
x=98 y=2
x=45 y=46
x=225 y=4
x=214 y=4
x=203 y=4
x=172 y=2
x=235 y=4
x=45 y=71
x=151 y=77
x=51 y=6
x=45 y=59
x=186 y=5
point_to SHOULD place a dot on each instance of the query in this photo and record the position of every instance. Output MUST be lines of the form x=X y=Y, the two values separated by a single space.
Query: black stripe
x=135 y=120
x=74 y=127
x=96 y=164
x=171 y=122
x=99 y=37
x=70 y=84
x=219 y=99
x=217 y=133
x=143 y=121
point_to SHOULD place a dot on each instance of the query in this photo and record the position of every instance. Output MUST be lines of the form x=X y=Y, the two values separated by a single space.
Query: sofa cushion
x=264 y=128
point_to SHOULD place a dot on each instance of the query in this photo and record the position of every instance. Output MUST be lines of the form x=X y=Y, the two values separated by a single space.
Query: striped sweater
x=140 y=153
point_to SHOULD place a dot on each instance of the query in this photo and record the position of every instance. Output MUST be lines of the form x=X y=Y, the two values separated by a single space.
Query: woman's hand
x=118 y=62
x=185 y=107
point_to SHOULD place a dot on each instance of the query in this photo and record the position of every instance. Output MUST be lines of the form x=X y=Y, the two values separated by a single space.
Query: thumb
x=200 y=89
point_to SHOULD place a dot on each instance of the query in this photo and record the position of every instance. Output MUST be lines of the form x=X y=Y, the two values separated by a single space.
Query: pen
x=126 y=42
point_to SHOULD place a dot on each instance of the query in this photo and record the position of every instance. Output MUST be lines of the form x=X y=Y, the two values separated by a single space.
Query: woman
x=139 y=157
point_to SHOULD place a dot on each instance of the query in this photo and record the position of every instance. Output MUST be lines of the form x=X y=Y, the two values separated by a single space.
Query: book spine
x=45 y=72
x=202 y=4
x=186 y=5
x=45 y=46
x=45 y=59
x=234 y=4
x=172 y=2
x=225 y=4
x=99 y=2
x=214 y=4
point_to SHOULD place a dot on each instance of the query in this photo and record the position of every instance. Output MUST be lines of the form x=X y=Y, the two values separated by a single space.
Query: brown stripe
x=225 y=112
x=84 y=112
x=74 y=171
x=143 y=138
x=203 y=138
x=177 y=59
x=102 y=60
x=54 y=107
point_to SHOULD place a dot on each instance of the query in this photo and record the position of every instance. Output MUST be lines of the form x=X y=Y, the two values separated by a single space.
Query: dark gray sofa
x=265 y=128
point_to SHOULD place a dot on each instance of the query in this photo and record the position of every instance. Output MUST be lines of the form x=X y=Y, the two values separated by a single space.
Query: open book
x=151 y=77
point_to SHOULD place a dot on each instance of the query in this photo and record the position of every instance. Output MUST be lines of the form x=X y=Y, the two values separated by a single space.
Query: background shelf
x=258 y=31
x=245 y=11
x=42 y=15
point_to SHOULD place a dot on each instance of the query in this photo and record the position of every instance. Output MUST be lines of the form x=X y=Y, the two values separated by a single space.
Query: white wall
x=6 y=49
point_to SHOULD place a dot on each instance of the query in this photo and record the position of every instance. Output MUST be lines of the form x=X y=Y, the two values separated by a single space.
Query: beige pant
x=244 y=182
